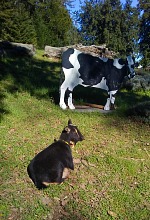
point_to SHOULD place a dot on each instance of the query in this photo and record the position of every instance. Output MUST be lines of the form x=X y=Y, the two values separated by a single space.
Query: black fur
x=48 y=165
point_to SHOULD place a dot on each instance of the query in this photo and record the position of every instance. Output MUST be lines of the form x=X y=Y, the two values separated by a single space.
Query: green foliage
x=38 y=22
x=16 y=24
x=130 y=27
x=144 y=6
x=108 y=22
x=58 y=23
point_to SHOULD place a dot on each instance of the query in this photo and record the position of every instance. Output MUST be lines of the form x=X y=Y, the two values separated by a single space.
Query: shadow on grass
x=3 y=109
x=39 y=78
x=31 y=75
x=131 y=98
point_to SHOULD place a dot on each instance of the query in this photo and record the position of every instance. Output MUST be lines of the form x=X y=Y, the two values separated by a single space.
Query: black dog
x=51 y=165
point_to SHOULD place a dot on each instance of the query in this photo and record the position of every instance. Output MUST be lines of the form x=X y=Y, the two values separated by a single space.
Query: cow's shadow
x=89 y=95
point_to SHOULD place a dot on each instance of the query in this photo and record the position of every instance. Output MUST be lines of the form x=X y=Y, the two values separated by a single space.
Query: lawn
x=112 y=165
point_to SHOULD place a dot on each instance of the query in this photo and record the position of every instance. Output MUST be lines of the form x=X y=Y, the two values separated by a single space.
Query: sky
x=77 y=4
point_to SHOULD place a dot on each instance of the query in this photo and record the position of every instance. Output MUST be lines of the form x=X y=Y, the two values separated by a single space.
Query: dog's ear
x=67 y=129
x=69 y=122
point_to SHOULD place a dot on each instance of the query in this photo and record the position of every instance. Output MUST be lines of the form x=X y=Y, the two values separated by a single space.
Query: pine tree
x=108 y=22
x=90 y=22
x=52 y=23
x=144 y=6
x=40 y=28
x=111 y=11
x=41 y=22
x=130 y=27
x=16 y=25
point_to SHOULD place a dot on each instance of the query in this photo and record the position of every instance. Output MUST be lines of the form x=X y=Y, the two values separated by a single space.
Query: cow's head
x=131 y=65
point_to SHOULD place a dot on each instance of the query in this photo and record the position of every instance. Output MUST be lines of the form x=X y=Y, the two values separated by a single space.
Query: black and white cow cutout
x=86 y=70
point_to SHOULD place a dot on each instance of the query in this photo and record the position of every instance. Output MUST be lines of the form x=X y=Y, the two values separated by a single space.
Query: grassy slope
x=112 y=179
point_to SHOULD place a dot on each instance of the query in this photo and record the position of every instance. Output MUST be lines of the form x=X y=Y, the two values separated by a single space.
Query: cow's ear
x=67 y=129
x=69 y=122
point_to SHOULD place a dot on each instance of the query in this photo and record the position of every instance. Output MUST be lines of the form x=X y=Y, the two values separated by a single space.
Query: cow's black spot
x=121 y=61
x=90 y=69
x=65 y=58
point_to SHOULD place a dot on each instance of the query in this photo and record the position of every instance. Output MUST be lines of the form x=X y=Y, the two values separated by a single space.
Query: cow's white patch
x=71 y=80
x=113 y=92
x=81 y=82
x=72 y=74
x=73 y=59
x=102 y=84
x=117 y=64
x=104 y=59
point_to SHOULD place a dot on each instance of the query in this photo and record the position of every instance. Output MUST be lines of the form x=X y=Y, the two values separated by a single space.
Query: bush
x=141 y=110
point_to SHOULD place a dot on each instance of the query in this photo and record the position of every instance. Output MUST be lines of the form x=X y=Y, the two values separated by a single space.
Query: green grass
x=112 y=180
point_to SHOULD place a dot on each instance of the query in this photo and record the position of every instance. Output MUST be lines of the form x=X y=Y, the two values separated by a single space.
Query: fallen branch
x=95 y=106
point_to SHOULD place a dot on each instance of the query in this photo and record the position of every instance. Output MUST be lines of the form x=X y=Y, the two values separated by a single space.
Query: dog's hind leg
x=65 y=173
x=41 y=185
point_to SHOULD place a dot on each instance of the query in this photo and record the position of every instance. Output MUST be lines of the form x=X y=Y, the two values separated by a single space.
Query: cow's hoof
x=106 y=108
x=71 y=107
x=63 y=106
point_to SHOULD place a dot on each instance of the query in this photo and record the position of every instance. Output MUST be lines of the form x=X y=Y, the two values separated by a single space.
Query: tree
x=58 y=22
x=88 y=22
x=41 y=22
x=144 y=8
x=130 y=27
x=16 y=24
x=111 y=11
x=108 y=22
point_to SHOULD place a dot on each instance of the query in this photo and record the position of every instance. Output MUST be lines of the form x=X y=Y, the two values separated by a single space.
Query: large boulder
x=99 y=51
x=16 y=49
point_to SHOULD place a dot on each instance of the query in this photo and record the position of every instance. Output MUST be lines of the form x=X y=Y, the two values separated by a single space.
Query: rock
x=53 y=52
x=16 y=49
x=99 y=51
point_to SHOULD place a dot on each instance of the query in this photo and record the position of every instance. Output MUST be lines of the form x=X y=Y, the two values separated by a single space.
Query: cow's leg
x=70 y=91
x=107 y=105
x=70 y=104
x=63 y=89
x=110 y=101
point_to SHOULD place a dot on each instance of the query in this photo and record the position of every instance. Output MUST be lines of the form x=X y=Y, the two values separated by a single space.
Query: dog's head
x=71 y=133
